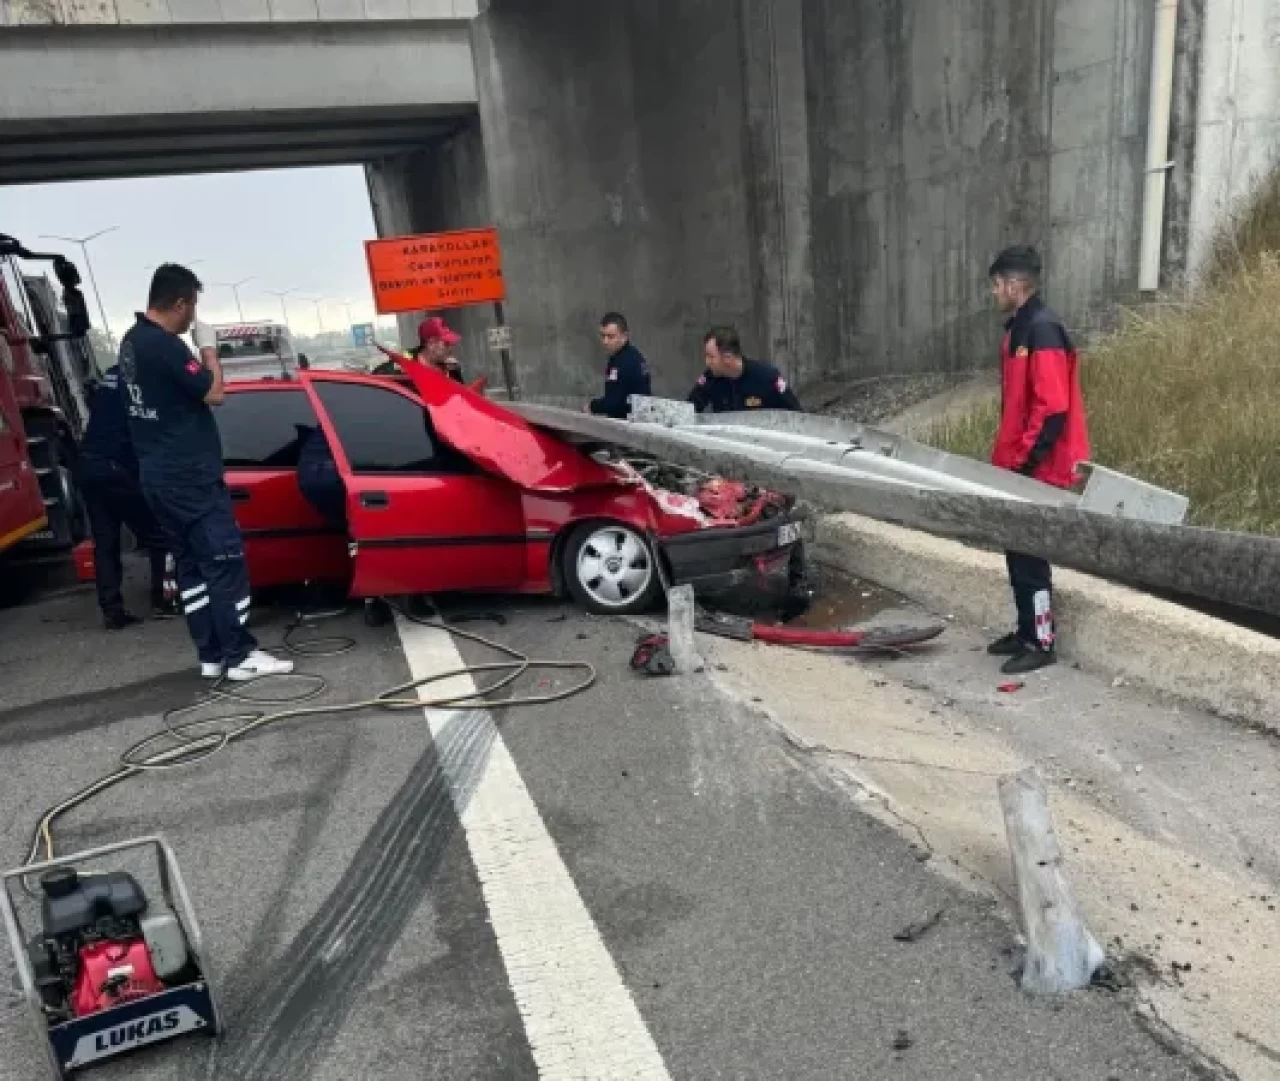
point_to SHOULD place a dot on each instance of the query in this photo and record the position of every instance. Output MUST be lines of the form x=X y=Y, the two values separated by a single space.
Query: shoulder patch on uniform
x=702 y=380
x=780 y=386
x=193 y=367
x=612 y=376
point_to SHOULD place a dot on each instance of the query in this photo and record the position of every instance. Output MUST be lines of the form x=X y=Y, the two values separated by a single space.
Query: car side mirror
x=77 y=312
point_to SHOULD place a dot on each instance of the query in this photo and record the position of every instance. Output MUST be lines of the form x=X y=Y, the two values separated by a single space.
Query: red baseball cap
x=434 y=329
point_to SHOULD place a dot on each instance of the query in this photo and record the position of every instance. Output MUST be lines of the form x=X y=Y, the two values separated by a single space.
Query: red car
x=448 y=491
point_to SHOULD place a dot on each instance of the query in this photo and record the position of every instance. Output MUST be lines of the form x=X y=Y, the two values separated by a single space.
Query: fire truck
x=47 y=367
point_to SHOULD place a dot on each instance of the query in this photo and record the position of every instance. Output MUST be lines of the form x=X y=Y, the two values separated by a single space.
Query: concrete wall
x=224 y=12
x=941 y=133
x=835 y=175
x=616 y=157
x=1237 y=124
x=832 y=175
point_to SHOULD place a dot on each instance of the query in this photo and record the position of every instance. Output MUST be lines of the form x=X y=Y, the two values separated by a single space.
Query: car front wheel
x=610 y=569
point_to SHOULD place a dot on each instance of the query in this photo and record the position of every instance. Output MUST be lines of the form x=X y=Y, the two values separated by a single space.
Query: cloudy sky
x=300 y=229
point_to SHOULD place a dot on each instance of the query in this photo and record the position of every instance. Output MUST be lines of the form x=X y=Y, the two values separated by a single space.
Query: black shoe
x=1027 y=660
x=163 y=609
x=117 y=621
x=1008 y=646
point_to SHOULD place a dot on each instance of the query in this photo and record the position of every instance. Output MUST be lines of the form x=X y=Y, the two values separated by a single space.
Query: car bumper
x=717 y=560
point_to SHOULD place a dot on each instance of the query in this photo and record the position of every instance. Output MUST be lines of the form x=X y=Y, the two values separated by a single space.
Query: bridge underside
x=85 y=149
x=81 y=103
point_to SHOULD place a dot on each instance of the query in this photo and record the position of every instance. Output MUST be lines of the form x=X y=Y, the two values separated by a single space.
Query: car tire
x=611 y=569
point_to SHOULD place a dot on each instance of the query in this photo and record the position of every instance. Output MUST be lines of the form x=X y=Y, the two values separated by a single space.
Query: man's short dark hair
x=726 y=339
x=1020 y=261
x=615 y=319
x=170 y=284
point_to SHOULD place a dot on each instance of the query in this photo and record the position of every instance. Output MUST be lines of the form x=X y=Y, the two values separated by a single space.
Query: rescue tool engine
x=110 y=969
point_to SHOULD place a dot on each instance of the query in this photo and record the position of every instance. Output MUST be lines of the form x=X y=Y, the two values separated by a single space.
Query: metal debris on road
x=913 y=932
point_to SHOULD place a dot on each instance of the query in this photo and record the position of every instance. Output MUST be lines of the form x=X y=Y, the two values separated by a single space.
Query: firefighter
x=1042 y=435
x=318 y=477
x=170 y=394
x=435 y=346
x=107 y=476
x=732 y=382
x=626 y=371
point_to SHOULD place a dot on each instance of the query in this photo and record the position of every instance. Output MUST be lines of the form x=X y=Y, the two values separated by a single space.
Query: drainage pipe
x=1163 y=53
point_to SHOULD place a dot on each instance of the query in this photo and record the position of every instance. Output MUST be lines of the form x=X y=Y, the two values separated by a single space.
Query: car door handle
x=239 y=495
x=375 y=500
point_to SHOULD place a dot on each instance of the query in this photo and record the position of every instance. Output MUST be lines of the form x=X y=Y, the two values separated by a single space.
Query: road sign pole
x=508 y=368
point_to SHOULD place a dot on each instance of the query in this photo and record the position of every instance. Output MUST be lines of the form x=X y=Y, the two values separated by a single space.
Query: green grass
x=1186 y=394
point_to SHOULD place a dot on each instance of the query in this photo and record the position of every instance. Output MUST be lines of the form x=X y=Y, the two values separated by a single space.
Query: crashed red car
x=448 y=491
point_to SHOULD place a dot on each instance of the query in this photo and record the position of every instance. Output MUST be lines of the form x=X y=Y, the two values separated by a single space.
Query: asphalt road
x=747 y=906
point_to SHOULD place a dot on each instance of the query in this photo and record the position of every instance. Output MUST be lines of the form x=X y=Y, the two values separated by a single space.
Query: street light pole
x=83 y=242
x=284 y=311
x=235 y=291
x=319 y=317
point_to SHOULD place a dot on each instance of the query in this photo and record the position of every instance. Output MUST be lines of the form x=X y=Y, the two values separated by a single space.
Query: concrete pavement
x=747 y=902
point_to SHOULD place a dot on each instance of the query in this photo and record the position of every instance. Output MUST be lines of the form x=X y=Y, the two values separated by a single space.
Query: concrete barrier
x=1103 y=627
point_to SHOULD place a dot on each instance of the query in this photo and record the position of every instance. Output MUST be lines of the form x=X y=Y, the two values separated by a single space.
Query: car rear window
x=260 y=428
x=384 y=432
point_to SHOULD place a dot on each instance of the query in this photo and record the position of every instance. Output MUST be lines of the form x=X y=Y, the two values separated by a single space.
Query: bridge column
x=636 y=162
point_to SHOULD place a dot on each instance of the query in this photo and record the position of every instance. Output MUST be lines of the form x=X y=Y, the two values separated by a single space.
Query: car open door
x=285 y=538
x=422 y=518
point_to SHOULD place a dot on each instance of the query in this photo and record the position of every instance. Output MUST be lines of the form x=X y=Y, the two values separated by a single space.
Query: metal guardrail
x=1119 y=528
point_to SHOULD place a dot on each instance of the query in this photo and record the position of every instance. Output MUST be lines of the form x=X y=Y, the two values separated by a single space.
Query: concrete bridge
x=832 y=175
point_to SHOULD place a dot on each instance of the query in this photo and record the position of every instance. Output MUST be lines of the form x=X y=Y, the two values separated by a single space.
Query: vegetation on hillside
x=1186 y=394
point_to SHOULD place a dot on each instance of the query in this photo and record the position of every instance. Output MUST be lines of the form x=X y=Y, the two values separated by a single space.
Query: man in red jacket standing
x=1042 y=435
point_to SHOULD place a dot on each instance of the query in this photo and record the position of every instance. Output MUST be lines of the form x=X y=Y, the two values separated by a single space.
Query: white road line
x=581 y=1020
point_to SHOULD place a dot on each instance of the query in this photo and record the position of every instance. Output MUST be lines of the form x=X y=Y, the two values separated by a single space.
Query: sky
x=299 y=229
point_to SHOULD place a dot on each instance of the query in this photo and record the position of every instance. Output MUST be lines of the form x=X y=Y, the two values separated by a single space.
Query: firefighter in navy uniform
x=107 y=476
x=626 y=372
x=1042 y=434
x=733 y=383
x=179 y=451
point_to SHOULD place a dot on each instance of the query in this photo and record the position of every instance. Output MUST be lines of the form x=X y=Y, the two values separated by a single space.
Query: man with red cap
x=435 y=347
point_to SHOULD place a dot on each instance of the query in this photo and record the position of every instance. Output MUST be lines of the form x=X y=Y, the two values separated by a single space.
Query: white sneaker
x=259 y=664
x=211 y=669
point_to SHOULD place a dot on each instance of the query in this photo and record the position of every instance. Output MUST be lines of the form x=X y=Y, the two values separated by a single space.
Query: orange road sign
x=435 y=270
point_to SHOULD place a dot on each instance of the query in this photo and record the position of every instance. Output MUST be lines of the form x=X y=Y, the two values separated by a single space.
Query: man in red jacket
x=1042 y=435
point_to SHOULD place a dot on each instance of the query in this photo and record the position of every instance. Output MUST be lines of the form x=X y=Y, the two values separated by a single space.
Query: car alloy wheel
x=613 y=569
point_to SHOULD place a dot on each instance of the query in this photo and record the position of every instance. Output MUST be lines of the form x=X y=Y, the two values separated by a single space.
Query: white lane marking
x=581 y=1020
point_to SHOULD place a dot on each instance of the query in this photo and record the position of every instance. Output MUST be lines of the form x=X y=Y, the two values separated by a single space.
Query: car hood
x=501 y=442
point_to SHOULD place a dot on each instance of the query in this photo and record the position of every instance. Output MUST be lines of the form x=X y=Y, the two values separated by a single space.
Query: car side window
x=384 y=432
x=264 y=429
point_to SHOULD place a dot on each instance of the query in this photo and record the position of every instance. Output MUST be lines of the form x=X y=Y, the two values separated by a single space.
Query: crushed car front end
x=725 y=538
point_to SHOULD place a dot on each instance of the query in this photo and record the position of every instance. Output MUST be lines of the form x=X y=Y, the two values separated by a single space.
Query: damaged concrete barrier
x=681 y=613
x=1106 y=628
x=1061 y=953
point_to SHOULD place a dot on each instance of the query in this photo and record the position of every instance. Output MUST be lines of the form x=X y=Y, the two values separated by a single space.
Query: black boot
x=117 y=621
x=1008 y=646
x=1028 y=659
